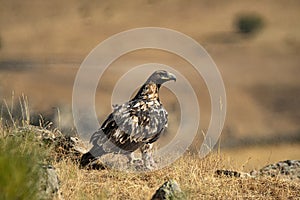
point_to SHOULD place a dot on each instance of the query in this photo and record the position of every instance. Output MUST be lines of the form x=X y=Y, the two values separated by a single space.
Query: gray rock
x=49 y=183
x=170 y=190
x=288 y=169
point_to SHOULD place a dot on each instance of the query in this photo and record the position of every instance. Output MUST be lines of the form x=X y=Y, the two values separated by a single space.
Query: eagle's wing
x=131 y=124
x=108 y=128
x=142 y=121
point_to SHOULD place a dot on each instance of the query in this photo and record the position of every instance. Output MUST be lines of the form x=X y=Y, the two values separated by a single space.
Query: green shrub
x=20 y=171
x=249 y=23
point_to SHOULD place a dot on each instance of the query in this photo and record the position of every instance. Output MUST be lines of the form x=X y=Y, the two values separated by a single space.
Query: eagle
x=133 y=125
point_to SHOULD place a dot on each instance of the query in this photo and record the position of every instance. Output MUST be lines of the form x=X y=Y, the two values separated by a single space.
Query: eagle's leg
x=146 y=151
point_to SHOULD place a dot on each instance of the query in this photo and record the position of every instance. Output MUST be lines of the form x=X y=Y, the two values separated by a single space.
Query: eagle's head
x=161 y=76
x=150 y=89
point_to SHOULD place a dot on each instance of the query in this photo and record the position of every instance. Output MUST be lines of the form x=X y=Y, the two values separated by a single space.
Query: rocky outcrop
x=288 y=169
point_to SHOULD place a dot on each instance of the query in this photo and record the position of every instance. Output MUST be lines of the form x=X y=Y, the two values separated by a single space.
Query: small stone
x=170 y=190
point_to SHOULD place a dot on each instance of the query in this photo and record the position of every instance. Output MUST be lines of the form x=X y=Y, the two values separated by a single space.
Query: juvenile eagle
x=136 y=124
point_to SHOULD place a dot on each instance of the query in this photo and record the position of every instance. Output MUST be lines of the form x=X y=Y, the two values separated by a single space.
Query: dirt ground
x=42 y=45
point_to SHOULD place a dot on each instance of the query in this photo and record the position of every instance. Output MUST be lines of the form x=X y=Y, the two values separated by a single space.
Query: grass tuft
x=20 y=170
x=21 y=157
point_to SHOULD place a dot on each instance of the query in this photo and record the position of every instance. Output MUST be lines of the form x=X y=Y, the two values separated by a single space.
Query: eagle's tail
x=92 y=155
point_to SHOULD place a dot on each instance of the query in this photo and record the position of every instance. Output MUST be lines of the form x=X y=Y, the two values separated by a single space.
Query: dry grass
x=195 y=176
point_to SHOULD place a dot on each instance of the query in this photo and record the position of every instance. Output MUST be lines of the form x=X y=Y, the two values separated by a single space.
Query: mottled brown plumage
x=133 y=125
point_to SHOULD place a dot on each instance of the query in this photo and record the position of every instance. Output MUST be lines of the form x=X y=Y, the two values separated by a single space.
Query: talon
x=137 y=161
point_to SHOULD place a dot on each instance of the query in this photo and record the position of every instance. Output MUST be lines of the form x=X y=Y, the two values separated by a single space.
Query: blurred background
x=255 y=44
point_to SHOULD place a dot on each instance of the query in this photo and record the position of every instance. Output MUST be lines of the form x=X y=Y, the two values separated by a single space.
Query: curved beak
x=171 y=76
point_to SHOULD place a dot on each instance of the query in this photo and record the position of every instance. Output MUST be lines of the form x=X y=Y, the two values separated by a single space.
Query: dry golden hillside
x=42 y=45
